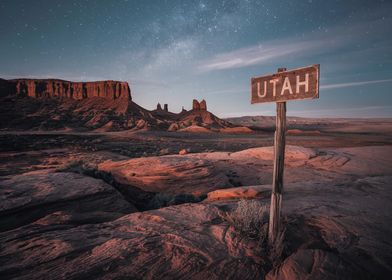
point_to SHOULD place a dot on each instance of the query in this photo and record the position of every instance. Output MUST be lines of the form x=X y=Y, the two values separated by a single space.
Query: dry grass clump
x=250 y=218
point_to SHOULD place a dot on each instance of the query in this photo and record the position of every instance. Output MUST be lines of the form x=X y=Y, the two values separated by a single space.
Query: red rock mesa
x=65 y=89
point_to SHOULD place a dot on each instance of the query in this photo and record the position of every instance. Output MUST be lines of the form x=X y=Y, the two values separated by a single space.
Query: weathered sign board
x=302 y=83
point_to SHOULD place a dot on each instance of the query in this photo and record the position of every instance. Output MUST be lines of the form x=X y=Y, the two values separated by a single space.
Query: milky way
x=173 y=51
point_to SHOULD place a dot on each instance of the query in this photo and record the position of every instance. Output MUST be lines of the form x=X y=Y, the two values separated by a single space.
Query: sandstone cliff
x=49 y=104
x=57 y=104
x=65 y=89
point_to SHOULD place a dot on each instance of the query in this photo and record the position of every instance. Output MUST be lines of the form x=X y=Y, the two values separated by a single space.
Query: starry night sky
x=173 y=51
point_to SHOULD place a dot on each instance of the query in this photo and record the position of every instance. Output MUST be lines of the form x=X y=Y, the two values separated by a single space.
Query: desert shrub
x=250 y=218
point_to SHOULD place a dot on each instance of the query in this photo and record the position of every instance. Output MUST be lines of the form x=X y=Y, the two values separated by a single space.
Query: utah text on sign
x=302 y=83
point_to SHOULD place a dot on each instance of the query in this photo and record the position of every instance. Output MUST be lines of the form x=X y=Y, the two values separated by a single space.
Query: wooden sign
x=301 y=83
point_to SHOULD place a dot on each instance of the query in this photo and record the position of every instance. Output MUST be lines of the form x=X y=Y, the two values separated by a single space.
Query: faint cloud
x=353 y=84
x=258 y=54
x=339 y=37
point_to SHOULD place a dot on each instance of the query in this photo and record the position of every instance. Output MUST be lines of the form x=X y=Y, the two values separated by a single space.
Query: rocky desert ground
x=154 y=204
x=93 y=186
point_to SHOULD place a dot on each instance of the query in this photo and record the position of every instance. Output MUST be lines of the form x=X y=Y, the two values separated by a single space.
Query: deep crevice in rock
x=141 y=199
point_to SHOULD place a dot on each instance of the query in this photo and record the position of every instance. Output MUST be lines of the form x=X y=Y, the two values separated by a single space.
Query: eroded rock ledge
x=37 y=88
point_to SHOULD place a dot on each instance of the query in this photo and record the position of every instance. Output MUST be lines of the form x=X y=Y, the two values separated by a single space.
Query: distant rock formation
x=202 y=105
x=37 y=88
x=195 y=105
x=52 y=104
x=165 y=108
x=49 y=104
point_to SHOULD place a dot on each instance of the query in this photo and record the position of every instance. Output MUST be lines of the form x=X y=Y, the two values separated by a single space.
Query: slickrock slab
x=173 y=174
x=314 y=264
x=30 y=196
x=267 y=153
x=206 y=172
x=188 y=241
x=240 y=192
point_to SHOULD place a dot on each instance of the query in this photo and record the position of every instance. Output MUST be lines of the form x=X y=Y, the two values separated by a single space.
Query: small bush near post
x=249 y=218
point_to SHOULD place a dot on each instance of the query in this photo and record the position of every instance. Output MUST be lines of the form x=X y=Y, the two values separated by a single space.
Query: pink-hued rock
x=59 y=113
x=314 y=264
x=189 y=241
x=202 y=118
x=199 y=106
x=203 y=105
x=28 y=197
x=240 y=192
x=171 y=174
x=235 y=130
x=337 y=220
x=372 y=160
x=75 y=90
x=195 y=128
x=207 y=172
x=195 y=105
x=52 y=104
x=267 y=153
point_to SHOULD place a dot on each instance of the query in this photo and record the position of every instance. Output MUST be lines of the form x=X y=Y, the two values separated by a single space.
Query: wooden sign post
x=285 y=85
